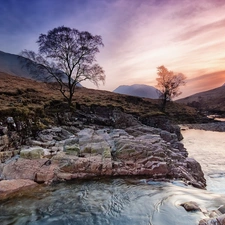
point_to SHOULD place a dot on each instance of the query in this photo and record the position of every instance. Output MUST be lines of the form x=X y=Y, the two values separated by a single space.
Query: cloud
x=185 y=36
x=201 y=30
x=203 y=83
x=149 y=38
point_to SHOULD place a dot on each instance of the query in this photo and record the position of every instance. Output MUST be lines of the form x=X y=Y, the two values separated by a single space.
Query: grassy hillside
x=211 y=101
x=21 y=97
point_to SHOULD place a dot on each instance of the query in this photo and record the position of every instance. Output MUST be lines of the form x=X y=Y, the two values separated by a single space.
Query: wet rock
x=222 y=209
x=179 y=170
x=214 y=217
x=8 y=188
x=220 y=220
x=64 y=176
x=194 y=168
x=216 y=126
x=191 y=206
x=214 y=213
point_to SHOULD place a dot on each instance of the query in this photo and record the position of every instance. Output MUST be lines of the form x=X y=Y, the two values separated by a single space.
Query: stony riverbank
x=215 y=126
x=212 y=217
x=93 y=144
x=57 y=154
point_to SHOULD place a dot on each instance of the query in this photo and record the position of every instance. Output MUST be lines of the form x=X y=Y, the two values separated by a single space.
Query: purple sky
x=139 y=35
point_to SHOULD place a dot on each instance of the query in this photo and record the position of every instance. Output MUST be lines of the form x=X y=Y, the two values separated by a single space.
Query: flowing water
x=125 y=201
x=208 y=148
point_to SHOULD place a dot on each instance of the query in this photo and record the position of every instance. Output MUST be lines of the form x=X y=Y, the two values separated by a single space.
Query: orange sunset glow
x=138 y=36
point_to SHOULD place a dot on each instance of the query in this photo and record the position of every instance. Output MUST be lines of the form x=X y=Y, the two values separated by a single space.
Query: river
x=208 y=148
x=126 y=201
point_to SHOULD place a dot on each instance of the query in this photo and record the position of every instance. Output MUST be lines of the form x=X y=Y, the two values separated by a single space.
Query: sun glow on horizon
x=184 y=36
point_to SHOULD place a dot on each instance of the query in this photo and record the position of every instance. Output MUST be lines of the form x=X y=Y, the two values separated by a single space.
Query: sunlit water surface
x=125 y=201
x=208 y=148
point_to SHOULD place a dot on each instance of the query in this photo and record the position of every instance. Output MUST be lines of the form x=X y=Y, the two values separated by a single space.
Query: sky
x=139 y=35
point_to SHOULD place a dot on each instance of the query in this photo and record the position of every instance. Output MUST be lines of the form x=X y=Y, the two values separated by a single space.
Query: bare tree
x=168 y=84
x=67 y=56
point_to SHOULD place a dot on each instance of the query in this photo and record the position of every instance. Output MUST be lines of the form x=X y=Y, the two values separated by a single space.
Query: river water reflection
x=208 y=148
x=123 y=201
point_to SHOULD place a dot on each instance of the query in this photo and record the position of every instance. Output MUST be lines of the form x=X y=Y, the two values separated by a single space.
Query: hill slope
x=14 y=65
x=212 y=100
x=139 y=90
x=18 y=66
x=25 y=96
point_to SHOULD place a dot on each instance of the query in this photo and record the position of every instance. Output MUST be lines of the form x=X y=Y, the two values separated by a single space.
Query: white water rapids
x=126 y=201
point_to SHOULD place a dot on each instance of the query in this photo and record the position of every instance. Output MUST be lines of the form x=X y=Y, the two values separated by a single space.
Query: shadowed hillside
x=211 y=101
x=17 y=65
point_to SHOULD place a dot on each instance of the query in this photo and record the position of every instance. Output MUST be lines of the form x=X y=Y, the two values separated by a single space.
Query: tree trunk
x=164 y=105
x=70 y=104
x=164 y=101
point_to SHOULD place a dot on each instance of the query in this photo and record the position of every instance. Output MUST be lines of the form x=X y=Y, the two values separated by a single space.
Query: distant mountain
x=212 y=100
x=140 y=90
x=16 y=65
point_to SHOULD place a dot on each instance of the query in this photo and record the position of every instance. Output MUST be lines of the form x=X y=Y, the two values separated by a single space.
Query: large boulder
x=138 y=150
